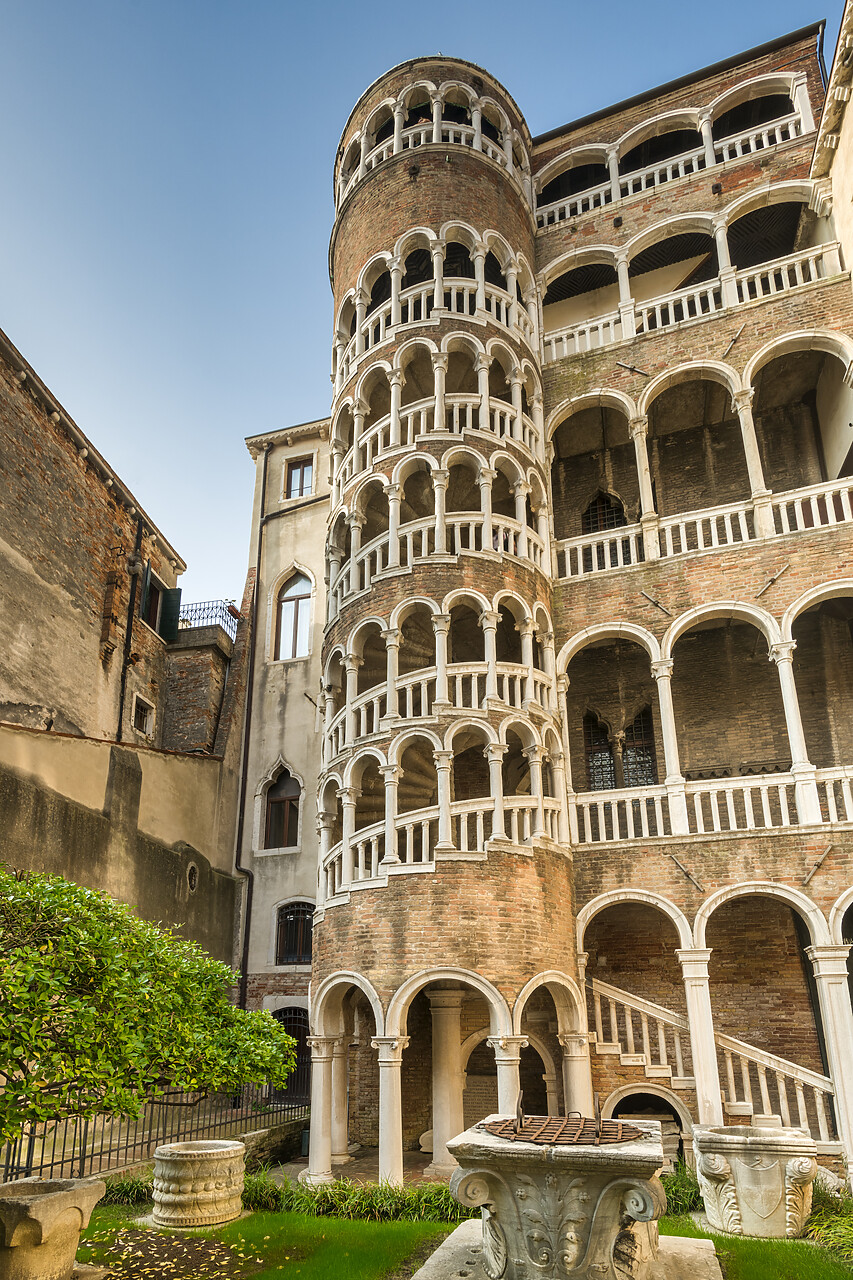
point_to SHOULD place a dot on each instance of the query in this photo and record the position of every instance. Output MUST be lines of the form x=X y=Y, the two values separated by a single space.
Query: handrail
x=653 y=1010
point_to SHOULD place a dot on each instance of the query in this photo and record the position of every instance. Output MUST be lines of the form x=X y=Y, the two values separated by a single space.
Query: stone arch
x=723 y=609
x=488 y=731
x=690 y=371
x=467 y=343
x=600 y=397
x=835 y=344
x=464 y=595
x=409 y=350
x=615 y=897
x=524 y=730
x=586 y=257
x=500 y=1019
x=358 y=762
x=836 y=916
x=593 y=153
x=815 y=595
x=411 y=462
x=327 y=1001
x=676 y=225
x=404 y=97
x=413 y=238
x=458 y=232
x=757 y=87
x=794 y=898
x=567 y=997
x=402 y=740
x=666 y=122
x=517 y=606
x=372 y=270
x=401 y=611
x=608 y=631
x=793 y=191
x=355 y=637
x=656 y=1090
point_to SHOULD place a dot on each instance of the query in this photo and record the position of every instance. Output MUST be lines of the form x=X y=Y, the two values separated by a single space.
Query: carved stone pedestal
x=198 y=1184
x=40 y=1224
x=567 y=1212
x=756 y=1180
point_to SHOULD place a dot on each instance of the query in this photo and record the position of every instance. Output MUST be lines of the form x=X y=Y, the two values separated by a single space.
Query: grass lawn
x=764 y=1259
x=265 y=1246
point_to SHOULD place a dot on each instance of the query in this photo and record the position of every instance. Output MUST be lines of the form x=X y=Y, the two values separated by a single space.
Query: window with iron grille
x=293 y=933
x=300 y=478
x=638 y=755
x=282 y=816
x=295 y=1023
x=603 y=513
x=293 y=618
x=600 y=767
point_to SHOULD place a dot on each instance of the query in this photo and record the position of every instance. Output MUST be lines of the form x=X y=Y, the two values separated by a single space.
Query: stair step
x=683 y=1082
x=633 y=1060
x=657 y=1071
x=604 y=1046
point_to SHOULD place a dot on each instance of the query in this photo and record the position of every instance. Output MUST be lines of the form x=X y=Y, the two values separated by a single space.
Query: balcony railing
x=810 y=266
x=815 y=506
x=210 y=613
x=754 y=803
x=772 y=134
x=420 y=135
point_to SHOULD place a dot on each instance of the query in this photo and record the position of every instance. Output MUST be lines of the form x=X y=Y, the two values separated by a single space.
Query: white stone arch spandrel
x=618 y=897
x=326 y=1001
x=500 y=1019
x=794 y=898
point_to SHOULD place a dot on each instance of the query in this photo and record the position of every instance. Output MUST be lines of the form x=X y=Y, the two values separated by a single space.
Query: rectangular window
x=300 y=478
x=143 y=716
x=282 y=824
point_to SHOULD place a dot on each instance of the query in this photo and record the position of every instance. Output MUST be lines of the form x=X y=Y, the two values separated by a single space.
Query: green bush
x=682 y=1190
x=129 y=1188
x=831 y=1222
x=369 y=1202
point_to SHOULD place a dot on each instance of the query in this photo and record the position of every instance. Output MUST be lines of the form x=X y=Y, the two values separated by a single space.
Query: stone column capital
x=662 y=669
x=352 y=662
x=638 y=426
x=489 y=620
x=392 y=490
x=521 y=488
x=322 y=1047
x=348 y=795
x=440 y=478
x=694 y=961
x=482 y=364
x=440 y=360
x=743 y=399
x=390 y=1049
x=563 y=683
x=829 y=960
x=479 y=250
x=390 y=772
x=441 y=622
x=443 y=759
x=356 y=519
x=395 y=264
x=782 y=651
x=533 y=754
x=574 y=1043
x=437 y=246
x=391 y=636
x=495 y=752
x=486 y=476
x=507 y=1048
x=361 y=297
x=526 y=627
x=397 y=377
x=442 y=999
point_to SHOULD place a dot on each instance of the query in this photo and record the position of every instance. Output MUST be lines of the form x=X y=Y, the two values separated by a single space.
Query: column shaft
x=703 y=1048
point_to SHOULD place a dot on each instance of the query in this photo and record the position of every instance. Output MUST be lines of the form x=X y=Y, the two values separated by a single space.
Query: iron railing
x=211 y=613
x=78 y=1148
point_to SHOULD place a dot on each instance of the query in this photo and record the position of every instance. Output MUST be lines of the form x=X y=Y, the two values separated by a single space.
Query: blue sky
x=165 y=202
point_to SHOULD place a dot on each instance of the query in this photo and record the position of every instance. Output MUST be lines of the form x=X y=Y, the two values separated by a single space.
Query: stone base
x=460 y=1255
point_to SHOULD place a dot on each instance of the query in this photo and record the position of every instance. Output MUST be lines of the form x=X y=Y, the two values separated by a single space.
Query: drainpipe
x=247 y=725
x=128 y=634
x=823 y=75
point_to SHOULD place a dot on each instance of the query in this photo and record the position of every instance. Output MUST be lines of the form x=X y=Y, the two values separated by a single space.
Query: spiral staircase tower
x=443 y=824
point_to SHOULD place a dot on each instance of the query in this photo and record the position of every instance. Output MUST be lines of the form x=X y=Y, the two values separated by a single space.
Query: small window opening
x=143 y=716
x=604 y=512
x=638 y=753
x=300 y=478
x=293 y=933
x=600 y=767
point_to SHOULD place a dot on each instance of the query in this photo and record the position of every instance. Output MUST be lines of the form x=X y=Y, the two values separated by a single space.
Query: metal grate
x=564 y=1131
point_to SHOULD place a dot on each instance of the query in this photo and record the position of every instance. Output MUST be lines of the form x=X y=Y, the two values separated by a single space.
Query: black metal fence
x=211 y=613
x=79 y=1148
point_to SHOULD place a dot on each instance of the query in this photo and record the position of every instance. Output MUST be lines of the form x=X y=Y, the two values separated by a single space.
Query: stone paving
x=363 y=1167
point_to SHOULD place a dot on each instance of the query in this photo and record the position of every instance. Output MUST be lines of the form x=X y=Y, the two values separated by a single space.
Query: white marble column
x=626 y=301
x=481 y=368
x=436 y=119
x=340 y=1108
x=558 y=767
x=393 y=492
x=533 y=755
x=805 y=784
x=674 y=780
x=549 y=659
x=324 y=844
x=320 y=1146
x=761 y=497
x=391 y=774
x=347 y=797
x=478 y=257
x=724 y=263
x=516 y=381
x=507 y=1051
x=395 y=269
x=390 y=1107
x=447 y=1078
x=495 y=753
x=441 y=626
x=439 y=369
x=577 y=1074
x=525 y=629
x=830 y=971
x=399 y=121
x=520 y=492
x=485 y=477
x=511 y=286
x=364 y=143
x=802 y=103
x=351 y=667
x=361 y=301
x=477 y=125
x=703 y=1049
x=489 y=622
x=443 y=764
x=706 y=128
x=391 y=636
x=439 y=486
x=613 y=170
x=436 y=248
x=397 y=379
x=639 y=427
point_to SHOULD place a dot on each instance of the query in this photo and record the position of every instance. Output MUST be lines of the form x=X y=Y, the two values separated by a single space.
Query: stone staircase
x=655 y=1042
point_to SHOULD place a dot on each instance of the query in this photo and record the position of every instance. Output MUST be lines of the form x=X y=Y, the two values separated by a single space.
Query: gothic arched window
x=604 y=512
x=282 y=817
x=293 y=620
x=638 y=753
x=600 y=766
